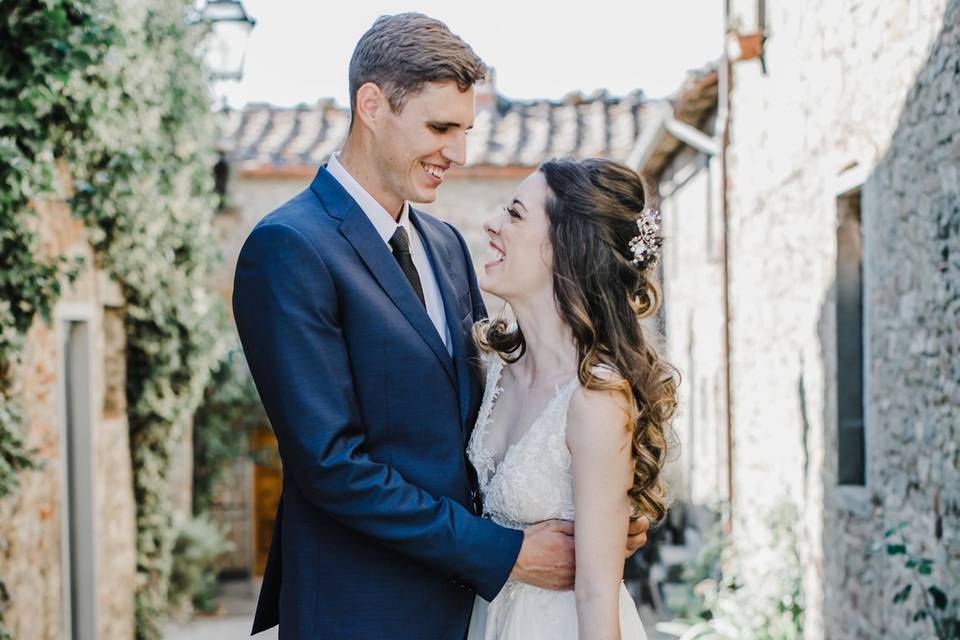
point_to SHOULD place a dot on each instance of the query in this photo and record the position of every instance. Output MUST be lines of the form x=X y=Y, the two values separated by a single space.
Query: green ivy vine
x=115 y=89
x=45 y=50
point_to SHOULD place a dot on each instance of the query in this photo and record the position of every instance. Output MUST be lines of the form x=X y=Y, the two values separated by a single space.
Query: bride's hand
x=637 y=535
x=546 y=557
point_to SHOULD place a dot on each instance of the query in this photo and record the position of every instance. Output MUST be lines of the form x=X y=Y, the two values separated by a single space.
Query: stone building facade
x=858 y=97
x=679 y=153
x=840 y=334
x=70 y=559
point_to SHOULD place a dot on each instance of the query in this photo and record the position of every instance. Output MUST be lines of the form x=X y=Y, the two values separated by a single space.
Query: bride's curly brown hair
x=592 y=207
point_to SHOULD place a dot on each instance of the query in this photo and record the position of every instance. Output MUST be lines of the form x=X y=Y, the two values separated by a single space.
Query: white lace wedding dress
x=531 y=483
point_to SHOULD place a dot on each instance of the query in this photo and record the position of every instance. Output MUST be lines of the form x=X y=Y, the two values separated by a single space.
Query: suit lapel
x=357 y=229
x=439 y=255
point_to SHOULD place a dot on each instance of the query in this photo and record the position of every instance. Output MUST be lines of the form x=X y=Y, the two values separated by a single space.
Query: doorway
x=78 y=514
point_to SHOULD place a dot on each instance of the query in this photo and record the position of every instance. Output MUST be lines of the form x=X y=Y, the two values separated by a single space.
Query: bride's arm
x=599 y=443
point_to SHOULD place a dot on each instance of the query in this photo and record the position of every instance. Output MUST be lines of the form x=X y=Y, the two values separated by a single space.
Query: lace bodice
x=532 y=481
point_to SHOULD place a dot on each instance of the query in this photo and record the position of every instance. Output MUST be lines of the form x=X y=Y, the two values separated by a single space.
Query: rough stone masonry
x=858 y=95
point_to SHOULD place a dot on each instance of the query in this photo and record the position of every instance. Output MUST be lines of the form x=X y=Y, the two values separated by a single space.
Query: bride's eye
x=512 y=212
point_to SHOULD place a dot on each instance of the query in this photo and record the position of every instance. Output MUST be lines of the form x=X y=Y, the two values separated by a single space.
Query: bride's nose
x=492 y=225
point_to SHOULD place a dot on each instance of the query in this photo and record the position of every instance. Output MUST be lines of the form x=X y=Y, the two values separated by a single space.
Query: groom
x=355 y=311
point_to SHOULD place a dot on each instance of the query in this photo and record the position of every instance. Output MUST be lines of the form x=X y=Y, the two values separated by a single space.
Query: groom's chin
x=424 y=195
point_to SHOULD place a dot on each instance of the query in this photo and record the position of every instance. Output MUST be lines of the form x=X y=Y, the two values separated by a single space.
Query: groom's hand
x=546 y=557
x=637 y=534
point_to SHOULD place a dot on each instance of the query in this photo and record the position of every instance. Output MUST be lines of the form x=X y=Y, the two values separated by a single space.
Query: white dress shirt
x=386 y=226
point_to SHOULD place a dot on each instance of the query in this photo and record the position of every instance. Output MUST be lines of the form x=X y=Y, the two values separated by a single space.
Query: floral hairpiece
x=645 y=246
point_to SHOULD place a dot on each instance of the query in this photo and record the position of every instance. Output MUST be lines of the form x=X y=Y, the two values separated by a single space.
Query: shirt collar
x=382 y=221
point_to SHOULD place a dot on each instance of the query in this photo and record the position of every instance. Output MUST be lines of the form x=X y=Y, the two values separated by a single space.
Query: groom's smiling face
x=416 y=146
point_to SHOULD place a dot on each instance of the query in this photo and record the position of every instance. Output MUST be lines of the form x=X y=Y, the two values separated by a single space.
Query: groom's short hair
x=403 y=52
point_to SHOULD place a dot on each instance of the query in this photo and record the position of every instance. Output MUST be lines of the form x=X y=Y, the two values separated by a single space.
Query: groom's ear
x=370 y=104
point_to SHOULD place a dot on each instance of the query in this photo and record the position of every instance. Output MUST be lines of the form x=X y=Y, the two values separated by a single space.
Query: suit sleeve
x=286 y=308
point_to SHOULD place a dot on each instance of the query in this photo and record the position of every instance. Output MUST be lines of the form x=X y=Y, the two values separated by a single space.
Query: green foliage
x=146 y=192
x=702 y=572
x=46 y=49
x=725 y=603
x=932 y=603
x=115 y=90
x=198 y=543
x=231 y=409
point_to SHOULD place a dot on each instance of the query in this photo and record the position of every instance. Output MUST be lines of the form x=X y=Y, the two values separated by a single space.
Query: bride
x=577 y=399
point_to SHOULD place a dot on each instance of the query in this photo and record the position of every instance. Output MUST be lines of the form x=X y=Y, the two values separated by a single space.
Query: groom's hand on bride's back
x=637 y=534
x=546 y=558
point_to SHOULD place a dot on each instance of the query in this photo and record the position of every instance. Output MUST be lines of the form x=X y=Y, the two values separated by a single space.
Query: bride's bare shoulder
x=599 y=417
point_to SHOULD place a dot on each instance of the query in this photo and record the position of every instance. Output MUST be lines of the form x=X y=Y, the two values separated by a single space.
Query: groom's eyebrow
x=454 y=125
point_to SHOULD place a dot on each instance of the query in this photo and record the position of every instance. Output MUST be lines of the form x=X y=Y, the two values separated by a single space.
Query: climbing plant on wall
x=114 y=89
x=146 y=193
x=46 y=49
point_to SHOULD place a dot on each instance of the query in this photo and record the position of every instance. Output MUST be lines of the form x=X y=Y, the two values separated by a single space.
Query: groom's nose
x=456 y=150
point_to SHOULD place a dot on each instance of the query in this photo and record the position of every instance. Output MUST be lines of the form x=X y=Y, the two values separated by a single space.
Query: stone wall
x=116 y=546
x=32 y=521
x=694 y=325
x=857 y=95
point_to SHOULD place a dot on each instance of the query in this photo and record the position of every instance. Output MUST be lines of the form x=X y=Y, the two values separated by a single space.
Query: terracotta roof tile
x=506 y=132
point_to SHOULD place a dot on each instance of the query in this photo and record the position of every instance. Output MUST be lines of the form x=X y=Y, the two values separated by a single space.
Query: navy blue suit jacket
x=377 y=534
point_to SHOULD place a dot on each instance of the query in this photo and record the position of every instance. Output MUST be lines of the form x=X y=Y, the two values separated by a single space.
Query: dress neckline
x=487 y=455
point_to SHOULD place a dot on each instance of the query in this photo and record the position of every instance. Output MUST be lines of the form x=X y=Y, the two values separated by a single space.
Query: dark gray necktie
x=400 y=243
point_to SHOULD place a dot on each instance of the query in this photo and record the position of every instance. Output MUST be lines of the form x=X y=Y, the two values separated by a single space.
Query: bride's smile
x=520 y=260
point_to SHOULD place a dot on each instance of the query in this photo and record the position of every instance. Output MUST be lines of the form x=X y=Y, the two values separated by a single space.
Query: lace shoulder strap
x=601 y=370
x=565 y=394
x=493 y=366
x=560 y=404
x=605 y=371
x=480 y=456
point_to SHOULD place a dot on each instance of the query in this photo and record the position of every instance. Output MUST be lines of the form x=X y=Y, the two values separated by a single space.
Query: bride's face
x=520 y=263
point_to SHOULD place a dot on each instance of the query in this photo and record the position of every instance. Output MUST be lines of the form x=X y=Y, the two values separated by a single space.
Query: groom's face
x=416 y=146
